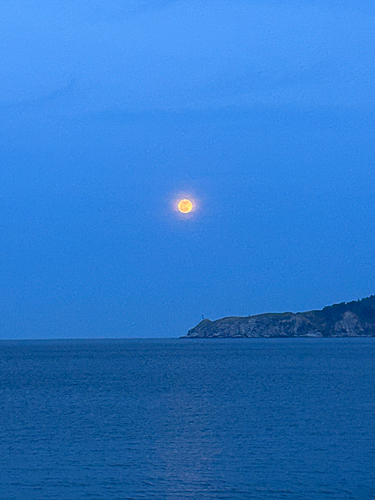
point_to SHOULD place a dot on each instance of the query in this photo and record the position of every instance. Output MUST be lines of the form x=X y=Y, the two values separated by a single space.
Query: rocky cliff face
x=353 y=319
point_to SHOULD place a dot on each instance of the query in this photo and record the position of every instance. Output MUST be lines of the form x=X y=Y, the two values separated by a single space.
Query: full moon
x=185 y=206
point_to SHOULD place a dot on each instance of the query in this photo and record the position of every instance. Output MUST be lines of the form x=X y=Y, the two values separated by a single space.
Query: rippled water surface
x=187 y=419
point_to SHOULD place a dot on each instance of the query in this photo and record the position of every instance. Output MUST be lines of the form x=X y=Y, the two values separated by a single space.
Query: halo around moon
x=185 y=206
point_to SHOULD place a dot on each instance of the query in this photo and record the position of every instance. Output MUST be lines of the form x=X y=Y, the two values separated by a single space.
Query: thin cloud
x=174 y=55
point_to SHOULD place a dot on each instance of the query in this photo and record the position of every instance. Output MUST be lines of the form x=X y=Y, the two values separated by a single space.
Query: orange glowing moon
x=185 y=206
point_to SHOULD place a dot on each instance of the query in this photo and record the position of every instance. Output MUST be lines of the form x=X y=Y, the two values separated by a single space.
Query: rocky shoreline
x=352 y=319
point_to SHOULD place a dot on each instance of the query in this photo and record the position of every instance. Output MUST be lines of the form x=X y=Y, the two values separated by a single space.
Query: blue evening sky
x=261 y=111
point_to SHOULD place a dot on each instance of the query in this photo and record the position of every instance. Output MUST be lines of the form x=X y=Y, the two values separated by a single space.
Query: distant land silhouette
x=347 y=319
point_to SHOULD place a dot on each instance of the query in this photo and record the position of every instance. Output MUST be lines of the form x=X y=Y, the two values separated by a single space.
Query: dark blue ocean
x=187 y=419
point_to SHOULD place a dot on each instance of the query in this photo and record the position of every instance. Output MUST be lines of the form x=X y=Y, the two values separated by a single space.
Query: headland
x=347 y=319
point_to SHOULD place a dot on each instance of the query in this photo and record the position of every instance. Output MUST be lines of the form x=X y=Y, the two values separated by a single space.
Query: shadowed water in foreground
x=183 y=419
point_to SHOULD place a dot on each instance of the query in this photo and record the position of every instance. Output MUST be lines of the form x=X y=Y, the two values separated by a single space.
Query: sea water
x=187 y=419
